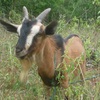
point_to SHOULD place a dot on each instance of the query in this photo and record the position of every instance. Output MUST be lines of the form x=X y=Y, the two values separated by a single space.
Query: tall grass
x=10 y=87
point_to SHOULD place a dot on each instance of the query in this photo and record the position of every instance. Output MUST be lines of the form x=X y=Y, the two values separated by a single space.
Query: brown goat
x=38 y=43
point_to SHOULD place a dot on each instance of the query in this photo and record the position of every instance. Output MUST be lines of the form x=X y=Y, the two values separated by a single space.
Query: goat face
x=30 y=32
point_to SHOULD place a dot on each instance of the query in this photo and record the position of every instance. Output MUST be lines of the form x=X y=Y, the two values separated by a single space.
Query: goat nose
x=18 y=49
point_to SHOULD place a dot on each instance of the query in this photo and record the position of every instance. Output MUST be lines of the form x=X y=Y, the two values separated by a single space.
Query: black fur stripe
x=70 y=36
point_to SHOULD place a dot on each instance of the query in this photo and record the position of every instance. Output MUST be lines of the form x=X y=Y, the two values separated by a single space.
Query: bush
x=81 y=9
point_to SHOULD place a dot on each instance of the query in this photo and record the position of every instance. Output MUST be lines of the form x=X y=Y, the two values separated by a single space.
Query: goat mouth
x=21 y=54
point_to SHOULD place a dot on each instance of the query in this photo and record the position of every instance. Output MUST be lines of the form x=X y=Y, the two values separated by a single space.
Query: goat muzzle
x=20 y=53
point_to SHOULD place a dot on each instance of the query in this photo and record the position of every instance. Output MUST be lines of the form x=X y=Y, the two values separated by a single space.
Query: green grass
x=12 y=89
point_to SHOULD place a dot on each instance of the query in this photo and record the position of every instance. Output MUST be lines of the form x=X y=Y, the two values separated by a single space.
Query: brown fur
x=46 y=51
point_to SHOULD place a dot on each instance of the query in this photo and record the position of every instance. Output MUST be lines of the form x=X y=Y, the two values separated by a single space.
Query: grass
x=12 y=89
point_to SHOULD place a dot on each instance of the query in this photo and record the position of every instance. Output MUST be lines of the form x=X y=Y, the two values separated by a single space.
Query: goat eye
x=39 y=35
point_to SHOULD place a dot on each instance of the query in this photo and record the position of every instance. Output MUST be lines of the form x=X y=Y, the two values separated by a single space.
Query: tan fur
x=26 y=64
x=45 y=61
x=44 y=55
x=46 y=52
x=74 y=51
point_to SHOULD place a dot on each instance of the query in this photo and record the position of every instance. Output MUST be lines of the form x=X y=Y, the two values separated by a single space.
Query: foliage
x=81 y=9
x=13 y=16
x=81 y=17
x=10 y=87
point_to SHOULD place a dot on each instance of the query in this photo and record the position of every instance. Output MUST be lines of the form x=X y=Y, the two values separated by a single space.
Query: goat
x=38 y=43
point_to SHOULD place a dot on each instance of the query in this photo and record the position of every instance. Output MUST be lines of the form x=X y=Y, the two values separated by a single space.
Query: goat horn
x=25 y=12
x=43 y=14
x=14 y=25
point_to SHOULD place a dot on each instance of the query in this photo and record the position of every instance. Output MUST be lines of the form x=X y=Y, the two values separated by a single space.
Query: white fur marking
x=19 y=28
x=35 y=29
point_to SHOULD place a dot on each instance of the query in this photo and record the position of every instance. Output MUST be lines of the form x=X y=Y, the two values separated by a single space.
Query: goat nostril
x=18 y=50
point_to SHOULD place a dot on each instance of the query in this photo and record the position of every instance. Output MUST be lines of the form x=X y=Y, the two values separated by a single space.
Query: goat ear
x=51 y=28
x=9 y=27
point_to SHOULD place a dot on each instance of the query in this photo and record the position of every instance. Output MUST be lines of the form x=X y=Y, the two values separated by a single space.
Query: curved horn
x=43 y=14
x=25 y=12
x=14 y=25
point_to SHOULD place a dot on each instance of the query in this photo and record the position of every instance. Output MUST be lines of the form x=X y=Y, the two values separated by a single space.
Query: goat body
x=52 y=54
x=49 y=57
